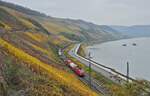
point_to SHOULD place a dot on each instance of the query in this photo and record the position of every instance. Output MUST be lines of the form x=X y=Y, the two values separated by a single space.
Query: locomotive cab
x=79 y=71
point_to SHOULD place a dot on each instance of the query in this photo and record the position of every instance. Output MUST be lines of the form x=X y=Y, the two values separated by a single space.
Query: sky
x=102 y=12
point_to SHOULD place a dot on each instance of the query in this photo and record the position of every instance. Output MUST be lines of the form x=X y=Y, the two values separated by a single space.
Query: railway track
x=97 y=86
x=94 y=85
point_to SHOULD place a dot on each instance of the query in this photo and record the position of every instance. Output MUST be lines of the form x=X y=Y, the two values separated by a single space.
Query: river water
x=115 y=54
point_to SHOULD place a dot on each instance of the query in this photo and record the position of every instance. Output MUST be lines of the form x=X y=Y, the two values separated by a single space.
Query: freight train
x=78 y=71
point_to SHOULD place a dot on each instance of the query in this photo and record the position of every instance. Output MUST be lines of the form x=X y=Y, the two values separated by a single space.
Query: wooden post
x=127 y=72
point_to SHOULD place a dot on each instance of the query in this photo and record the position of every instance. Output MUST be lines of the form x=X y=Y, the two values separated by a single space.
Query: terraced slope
x=29 y=42
x=39 y=55
x=82 y=30
x=58 y=75
x=29 y=61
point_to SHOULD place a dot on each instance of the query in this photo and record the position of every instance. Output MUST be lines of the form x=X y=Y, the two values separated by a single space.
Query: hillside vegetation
x=29 y=64
x=29 y=42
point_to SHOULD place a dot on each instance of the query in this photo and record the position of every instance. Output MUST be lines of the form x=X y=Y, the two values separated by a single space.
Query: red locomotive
x=79 y=71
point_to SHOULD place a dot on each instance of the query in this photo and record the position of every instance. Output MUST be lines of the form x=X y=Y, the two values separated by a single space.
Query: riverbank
x=114 y=55
x=138 y=86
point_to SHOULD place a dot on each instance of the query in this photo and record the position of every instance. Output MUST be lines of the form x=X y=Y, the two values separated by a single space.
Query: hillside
x=29 y=61
x=28 y=57
x=82 y=30
x=29 y=42
x=134 y=31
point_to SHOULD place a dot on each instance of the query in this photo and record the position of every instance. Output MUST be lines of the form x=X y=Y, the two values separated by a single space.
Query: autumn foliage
x=37 y=36
x=59 y=75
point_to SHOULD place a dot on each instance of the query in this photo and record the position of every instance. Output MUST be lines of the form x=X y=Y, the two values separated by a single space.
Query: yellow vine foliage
x=27 y=23
x=39 y=48
x=7 y=27
x=59 y=75
x=50 y=54
x=37 y=36
x=58 y=40
x=54 y=27
x=13 y=12
x=20 y=15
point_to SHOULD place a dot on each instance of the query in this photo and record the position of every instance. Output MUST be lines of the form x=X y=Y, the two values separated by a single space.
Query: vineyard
x=59 y=75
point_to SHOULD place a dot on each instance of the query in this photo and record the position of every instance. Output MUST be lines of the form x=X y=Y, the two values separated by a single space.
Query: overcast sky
x=103 y=12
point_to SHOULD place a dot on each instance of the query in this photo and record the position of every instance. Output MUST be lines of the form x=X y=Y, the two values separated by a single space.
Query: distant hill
x=82 y=30
x=92 y=31
x=134 y=31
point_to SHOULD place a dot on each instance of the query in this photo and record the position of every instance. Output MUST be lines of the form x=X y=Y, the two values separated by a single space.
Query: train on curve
x=78 y=71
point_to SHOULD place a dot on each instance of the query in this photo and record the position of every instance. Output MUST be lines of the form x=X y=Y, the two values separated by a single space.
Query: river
x=116 y=54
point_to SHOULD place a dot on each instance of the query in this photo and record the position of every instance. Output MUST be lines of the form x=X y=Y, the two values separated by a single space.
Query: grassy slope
x=36 y=51
x=22 y=81
x=54 y=72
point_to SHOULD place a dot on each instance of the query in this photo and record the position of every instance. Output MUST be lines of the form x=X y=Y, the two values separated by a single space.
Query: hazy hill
x=82 y=30
x=134 y=31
